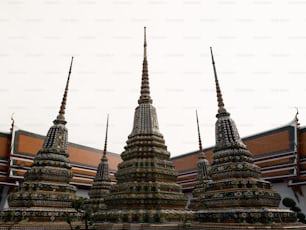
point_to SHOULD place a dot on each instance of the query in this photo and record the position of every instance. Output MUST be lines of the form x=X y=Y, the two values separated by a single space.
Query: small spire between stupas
x=105 y=141
x=221 y=108
x=145 y=86
x=201 y=152
x=199 y=134
x=61 y=115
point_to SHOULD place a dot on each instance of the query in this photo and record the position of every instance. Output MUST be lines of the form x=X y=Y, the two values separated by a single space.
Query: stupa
x=102 y=181
x=237 y=194
x=46 y=196
x=202 y=177
x=146 y=189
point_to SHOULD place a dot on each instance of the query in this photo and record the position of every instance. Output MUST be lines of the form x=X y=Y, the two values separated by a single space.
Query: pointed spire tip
x=70 y=67
x=212 y=55
x=145 y=39
x=105 y=141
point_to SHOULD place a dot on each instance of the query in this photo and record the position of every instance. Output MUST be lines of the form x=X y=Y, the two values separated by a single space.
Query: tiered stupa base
x=195 y=202
x=141 y=226
x=245 y=226
x=143 y=216
x=42 y=215
x=39 y=226
x=264 y=216
x=198 y=226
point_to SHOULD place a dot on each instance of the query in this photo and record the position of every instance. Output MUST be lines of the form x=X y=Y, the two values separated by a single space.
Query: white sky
x=259 y=47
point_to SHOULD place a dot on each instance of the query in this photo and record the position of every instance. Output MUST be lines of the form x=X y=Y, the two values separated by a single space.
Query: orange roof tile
x=30 y=143
x=4 y=146
x=269 y=143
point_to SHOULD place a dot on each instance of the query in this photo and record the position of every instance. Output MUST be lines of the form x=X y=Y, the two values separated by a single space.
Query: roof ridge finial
x=61 y=114
x=145 y=87
x=218 y=90
x=105 y=141
x=296 y=118
x=199 y=134
x=13 y=121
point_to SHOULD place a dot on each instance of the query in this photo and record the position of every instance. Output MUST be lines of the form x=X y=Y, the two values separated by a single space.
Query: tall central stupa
x=146 y=189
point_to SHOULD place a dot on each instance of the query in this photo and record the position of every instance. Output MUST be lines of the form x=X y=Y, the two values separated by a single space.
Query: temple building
x=46 y=194
x=238 y=182
x=146 y=190
x=279 y=152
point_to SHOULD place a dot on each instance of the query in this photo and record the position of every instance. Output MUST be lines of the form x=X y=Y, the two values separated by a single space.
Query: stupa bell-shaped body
x=45 y=194
x=237 y=194
x=146 y=189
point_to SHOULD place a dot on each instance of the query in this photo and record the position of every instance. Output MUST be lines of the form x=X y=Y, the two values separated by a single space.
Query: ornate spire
x=145 y=118
x=105 y=142
x=60 y=119
x=202 y=175
x=221 y=109
x=145 y=87
x=102 y=171
x=199 y=134
x=102 y=182
x=203 y=169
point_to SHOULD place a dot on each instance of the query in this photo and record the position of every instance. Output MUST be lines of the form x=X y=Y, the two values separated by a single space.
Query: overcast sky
x=259 y=47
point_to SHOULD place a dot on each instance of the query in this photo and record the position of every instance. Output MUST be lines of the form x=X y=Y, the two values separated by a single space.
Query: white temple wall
x=188 y=195
x=3 y=201
x=82 y=192
x=286 y=191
